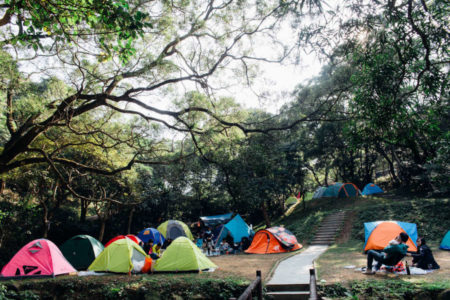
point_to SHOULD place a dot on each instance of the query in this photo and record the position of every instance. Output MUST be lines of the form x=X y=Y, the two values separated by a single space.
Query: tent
x=81 y=250
x=291 y=200
x=378 y=234
x=121 y=256
x=172 y=229
x=183 y=255
x=273 y=240
x=332 y=190
x=120 y=237
x=39 y=258
x=445 y=244
x=237 y=228
x=319 y=192
x=216 y=220
x=371 y=188
x=151 y=234
x=348 y=190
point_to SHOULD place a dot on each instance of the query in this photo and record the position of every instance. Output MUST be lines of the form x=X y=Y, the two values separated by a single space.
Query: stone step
x=324 y=236
x=289 y=295
x=321 y=243
x=287 y=287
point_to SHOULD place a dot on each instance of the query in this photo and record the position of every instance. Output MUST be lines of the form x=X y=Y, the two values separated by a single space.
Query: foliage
x=136 y=287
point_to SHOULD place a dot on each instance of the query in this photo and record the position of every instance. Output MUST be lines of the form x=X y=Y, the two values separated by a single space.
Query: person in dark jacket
x=423 y=258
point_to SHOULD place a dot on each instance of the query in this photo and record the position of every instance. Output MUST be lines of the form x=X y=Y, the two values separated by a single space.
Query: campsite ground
x=331 y=265
x=245 y=265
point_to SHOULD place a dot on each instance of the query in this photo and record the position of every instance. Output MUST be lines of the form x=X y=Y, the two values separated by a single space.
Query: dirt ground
x=331 y=266
x=245 y=265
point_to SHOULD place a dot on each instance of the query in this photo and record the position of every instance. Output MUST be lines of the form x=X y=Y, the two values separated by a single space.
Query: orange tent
x=384 y=232
x=273 y=240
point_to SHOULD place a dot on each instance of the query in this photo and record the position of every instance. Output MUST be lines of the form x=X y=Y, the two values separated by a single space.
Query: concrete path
x=295 y=269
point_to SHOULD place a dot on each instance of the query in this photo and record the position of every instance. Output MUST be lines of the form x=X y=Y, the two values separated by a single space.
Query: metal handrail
x=312 y=285
x=255 y=285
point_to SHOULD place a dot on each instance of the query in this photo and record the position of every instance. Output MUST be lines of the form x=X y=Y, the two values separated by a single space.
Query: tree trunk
x=83 y=210
x=2 y=186
x=390 y=164
x=45 y=221
x=130 y=220
x=102 y=229
x=266 y=216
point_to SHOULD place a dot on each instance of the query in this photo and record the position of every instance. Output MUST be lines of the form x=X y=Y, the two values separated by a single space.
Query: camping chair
x=393 y=261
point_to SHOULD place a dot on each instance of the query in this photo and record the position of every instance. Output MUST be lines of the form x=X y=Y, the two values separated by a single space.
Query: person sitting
x=224 y=247
x=423 y=258
x=156 y=251
x=390 y=255
x=148 y=246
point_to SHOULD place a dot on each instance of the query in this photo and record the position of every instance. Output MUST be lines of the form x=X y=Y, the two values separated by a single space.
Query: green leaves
x=66 y=21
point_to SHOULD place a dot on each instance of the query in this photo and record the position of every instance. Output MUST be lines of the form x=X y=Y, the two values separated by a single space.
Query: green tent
x=183 y=255
x=81 y=250
x=172 y=229
x=121 y=256
x=291 y=200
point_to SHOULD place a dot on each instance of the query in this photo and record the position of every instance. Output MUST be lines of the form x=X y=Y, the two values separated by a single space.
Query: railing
x=255 y=285
x=312 y=285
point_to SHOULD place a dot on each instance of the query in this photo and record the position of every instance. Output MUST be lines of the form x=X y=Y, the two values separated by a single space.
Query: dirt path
x=245 y=265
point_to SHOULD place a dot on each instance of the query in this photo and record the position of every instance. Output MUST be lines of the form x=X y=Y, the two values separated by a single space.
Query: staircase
x=328 y=229
x=288 y=291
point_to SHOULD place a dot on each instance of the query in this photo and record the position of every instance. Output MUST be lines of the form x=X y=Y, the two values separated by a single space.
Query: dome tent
x=273 y=240
x=371 y=188
x=378 y=234
x=38 y=258
x=172 y=229
x=81 y=250
x=121 y=256
x=348 y=190
x=319 y=192
x=183 y=255
x=131 y=237
x=151 y=234
x=445 y=244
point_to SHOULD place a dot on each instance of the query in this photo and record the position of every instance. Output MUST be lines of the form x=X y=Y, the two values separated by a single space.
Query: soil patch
x=245 y=265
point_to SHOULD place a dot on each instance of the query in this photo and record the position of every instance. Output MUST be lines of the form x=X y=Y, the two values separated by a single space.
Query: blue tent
x=319 y=192
x=237 y=228
x=216 y=220
x=445 y=245
x=151 y=234
x=332 y=190
x=348 y=190
x=371 y=188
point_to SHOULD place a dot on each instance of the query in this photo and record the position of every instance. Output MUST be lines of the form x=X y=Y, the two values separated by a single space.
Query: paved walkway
x=295 y=269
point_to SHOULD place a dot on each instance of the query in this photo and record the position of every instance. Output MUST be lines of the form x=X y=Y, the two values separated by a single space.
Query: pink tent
x=37 y=258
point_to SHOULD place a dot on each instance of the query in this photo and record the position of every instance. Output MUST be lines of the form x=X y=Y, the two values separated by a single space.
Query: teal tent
x=81 y=250
x=332 y=190
x=445 y=245
x=348 y=190
x=371 y=188
x=236 y=228
x=319 y=192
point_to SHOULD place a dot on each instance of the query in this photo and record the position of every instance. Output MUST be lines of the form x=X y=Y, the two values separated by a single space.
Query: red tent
x=37 y=258
x=128 y=236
